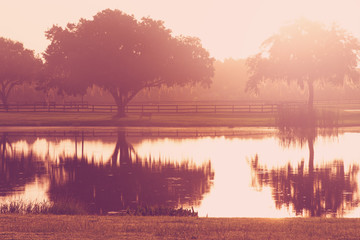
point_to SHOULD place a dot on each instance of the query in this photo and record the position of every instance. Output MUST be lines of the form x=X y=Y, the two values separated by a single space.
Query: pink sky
x=227 y=28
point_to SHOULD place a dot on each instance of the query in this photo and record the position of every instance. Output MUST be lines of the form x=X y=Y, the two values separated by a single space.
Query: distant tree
x=17 y=65
x=305 y=52
x=123 y=56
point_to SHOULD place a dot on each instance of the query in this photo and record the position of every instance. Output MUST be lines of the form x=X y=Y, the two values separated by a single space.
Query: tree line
x=122 y=58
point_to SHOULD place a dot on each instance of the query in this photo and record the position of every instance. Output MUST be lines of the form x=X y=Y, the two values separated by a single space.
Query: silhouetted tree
x=17 y=65
x=305 y=52
x=123 y=56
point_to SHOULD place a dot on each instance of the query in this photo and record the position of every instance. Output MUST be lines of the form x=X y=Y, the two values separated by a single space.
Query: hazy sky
x=227 y=28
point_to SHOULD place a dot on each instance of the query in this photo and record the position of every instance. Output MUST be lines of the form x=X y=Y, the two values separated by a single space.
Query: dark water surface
x=221 y=172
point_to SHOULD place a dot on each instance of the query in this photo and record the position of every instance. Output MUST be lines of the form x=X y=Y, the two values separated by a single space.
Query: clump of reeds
x=22 y=207
x=68 y=207
x=45 y=207
x=72 y=207
x=161 y=211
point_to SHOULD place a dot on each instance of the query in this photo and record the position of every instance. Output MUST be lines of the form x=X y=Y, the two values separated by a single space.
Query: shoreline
x=134 y=120
x=54 y=119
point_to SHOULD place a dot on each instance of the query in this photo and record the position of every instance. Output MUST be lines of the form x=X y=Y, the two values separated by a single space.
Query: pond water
x=220 y=172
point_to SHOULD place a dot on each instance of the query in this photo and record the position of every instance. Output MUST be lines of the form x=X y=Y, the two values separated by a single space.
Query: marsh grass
x=72 y=207
x=24 y=207
x=45 y=207
x=161 y=211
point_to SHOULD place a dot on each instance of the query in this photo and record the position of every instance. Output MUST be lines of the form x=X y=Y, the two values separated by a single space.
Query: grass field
x=122 y=227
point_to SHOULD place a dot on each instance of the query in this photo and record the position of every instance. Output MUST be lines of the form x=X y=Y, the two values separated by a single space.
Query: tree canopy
x=17 y=65
x=305 y=52
x=123 y=56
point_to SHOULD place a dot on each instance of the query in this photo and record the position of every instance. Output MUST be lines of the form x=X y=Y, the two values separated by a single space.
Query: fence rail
x=139 y=109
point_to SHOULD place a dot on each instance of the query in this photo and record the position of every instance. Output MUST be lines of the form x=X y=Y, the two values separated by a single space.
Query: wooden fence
x=139 y=109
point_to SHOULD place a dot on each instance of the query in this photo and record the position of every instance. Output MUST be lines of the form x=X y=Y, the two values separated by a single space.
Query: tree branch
x=132 y=95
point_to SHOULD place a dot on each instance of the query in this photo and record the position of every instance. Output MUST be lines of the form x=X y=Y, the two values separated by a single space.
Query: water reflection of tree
x=16 y=169
x=324 y=190
x=128 y=181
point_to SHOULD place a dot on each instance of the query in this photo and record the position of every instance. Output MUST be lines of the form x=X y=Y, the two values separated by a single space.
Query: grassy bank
x=110 y=227
x=164 y=120
x=345 y=119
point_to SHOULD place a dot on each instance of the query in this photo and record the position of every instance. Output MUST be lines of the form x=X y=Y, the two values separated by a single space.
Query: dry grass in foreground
x=13 y=226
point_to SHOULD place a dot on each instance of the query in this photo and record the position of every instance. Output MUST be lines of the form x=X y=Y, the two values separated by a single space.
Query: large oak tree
x=123 y=56
x=17 y=66
x=306 y=52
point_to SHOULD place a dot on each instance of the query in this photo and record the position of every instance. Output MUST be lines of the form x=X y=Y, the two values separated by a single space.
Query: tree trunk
x=311 y=155
x=120 y=102
x=120 y=105
x=121 y=110
x=312 y=204
x=311 y=95
x=4 y=101
x=122 y=99
x=122 y=151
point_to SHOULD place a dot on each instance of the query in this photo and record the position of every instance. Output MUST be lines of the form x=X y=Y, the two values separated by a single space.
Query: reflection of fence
x=137 y=109
x=143 y=133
